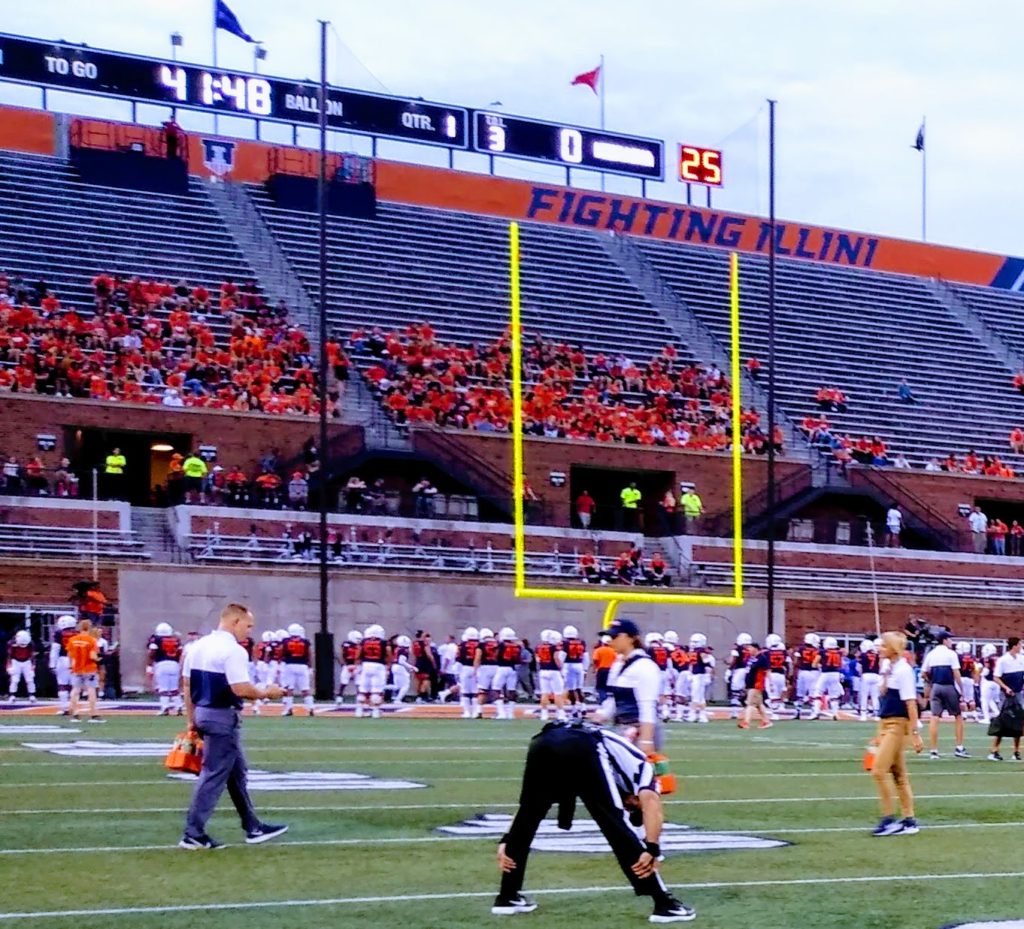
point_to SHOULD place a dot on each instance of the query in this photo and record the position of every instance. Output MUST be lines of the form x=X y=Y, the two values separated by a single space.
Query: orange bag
x=186 y=753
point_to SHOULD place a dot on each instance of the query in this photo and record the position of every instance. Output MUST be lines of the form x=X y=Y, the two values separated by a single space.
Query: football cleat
x=672 y=910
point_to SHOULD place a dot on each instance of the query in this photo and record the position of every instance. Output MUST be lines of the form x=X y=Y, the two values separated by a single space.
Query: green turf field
x=87 y=834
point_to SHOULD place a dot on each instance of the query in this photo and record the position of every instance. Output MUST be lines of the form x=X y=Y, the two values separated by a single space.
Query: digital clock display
x=72 y=67
x=700 y=165
x=571 y=146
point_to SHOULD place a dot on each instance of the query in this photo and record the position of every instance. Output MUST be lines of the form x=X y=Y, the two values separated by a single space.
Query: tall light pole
x=259 y=53
x=176 y=42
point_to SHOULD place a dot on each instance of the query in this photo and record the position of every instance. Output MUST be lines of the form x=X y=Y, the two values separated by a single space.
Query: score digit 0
x=700 y=165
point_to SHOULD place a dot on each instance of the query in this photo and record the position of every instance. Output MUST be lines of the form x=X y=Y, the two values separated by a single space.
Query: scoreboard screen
x=74 y=67
x=700 y=165
x=570 y=146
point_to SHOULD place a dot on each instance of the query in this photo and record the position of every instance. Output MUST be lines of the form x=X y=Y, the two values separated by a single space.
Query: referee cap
x=623 y=627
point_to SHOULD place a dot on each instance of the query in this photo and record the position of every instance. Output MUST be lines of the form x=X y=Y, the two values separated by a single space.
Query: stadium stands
x=866 y=332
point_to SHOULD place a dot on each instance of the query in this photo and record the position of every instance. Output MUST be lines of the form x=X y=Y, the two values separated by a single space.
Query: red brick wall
x=944 y=491
x=239 y=437
x=49 y=581
x=712 y=472
x=72 y=518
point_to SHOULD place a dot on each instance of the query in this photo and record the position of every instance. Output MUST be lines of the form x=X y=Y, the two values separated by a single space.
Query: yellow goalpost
x=613 y=597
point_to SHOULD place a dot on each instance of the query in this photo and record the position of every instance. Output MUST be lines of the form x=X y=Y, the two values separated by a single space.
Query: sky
x=852 y=83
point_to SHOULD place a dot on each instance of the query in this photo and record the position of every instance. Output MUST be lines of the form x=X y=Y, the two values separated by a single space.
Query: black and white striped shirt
x=629 y=767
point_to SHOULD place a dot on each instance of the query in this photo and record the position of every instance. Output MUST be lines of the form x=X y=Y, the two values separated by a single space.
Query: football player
x=164 y=656
x=991 y=693
x=659 y=653
x=575 y=668
x=549 y=667
x=683 y=681
x=756 y=680
x=506 y=678
x=485 y=663
x=968 y=671
x=374 y=659
x=402 y=669
x=448 y=652
x=466 y=670
x=779 y=671
x=276 y=656
x=60 y=663
x=829 y=685
x=296 y=668
x=702 y=670
x=349 y=660
x=808 y=669
x=21 y=664
x=742 y=654
x=870 y=677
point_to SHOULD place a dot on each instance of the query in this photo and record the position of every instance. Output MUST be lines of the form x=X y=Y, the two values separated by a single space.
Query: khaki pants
x=891 y=766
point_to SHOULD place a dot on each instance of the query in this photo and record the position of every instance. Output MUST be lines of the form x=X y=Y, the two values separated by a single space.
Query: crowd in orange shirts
x=151 y=342
x=567 y=393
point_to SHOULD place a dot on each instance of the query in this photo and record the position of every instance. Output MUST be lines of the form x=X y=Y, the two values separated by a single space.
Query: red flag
x=590 y=78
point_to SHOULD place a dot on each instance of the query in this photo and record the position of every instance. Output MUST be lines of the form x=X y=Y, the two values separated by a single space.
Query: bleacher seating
x=69 y=543
x=865 y=332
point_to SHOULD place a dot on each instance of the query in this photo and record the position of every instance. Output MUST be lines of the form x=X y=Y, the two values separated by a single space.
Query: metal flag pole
x=213 y=7
x=324 y=639
x=874 y=580
x=771 y=367
x=924 y=181
x=600 y=77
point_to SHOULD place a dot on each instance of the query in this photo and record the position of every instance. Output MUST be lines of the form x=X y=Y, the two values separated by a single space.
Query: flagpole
x=924 y=181
x=213 y=8
x=601 y=76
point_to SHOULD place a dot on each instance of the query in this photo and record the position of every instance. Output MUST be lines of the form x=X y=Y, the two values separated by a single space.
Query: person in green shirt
x=194 y=469
x=630 y=497
x=693 y=509
x=113 y=473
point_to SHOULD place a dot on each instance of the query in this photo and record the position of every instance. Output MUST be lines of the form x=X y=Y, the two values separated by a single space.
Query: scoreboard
x=570 y=146
x=78 y=68
x=74 y=67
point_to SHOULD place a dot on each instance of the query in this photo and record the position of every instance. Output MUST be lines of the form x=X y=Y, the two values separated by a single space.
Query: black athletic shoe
x=512 y=906
x=193 y=843
x=908 y=826
x=672 y=910
x=264 y=832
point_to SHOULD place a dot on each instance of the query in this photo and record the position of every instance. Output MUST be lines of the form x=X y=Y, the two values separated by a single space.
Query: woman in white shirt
x=898 y=712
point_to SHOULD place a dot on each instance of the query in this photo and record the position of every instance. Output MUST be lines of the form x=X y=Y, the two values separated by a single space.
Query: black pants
x=562 y=764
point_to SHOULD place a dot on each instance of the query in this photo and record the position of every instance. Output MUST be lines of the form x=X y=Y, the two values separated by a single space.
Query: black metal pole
x=324 y=639
x=771 y=366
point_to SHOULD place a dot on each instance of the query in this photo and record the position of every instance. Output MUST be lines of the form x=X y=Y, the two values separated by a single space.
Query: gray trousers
x=223 y=766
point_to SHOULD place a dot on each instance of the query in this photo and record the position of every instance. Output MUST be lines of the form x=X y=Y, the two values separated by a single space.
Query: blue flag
x=226 y=20
x=919 y=141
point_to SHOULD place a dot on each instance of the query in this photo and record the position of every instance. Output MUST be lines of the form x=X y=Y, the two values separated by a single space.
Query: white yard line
x=420 y=840
x=408 y=898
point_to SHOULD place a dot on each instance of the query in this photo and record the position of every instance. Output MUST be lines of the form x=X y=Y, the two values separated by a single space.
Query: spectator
x=12 y=476
x=176 y=480
x=754 y=367
x=298 y=491
x=195 y=470
x=693 y=509
x=376 y=498
x=1016 y=537
x=424 y=493
x=268 y=490
x=1017 y=440
x=35 y=477
x=590 y=569
x=667 y=512
x=585 y=509
x=171 y=398
x=905 y=394
x=978 y=522
x=113 y=474
x=65 y=481
x=894 y=526
x=997 y=531
x=630 y=497
x=355 y=490
x=933 y=465
x=901 y=461
x=657 y=571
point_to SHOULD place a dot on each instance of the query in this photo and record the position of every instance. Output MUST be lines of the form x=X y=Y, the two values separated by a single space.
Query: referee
x=215 y=681
x=610 y=773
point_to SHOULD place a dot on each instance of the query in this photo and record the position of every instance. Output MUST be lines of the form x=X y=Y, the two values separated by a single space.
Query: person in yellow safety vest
x=113 y=473
x=630 y=498
x=194 y=469
x=693 y=508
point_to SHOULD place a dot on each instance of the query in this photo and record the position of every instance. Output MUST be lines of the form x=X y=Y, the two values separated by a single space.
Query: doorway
x=605 y=486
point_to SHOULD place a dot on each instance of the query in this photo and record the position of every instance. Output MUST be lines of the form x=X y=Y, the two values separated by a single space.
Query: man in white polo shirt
x=1009 y=675
x=215 y=681
x=943 y=688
